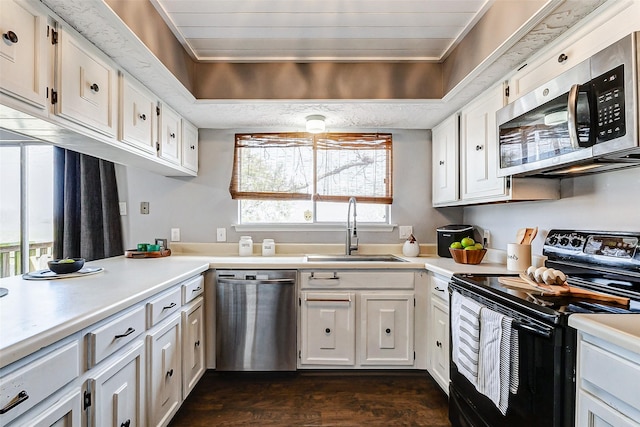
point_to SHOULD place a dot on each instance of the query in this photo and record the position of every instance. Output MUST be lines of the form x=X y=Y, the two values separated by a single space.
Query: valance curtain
x=325 y=167
x=86 y=213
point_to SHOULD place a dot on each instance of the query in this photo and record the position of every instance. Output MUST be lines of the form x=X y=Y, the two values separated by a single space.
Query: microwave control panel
x=609 y=94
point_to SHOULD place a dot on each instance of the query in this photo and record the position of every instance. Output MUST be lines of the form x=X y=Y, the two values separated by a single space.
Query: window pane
x=9 y=210
x=40 y=204
x=276 y=211
x=337 y=212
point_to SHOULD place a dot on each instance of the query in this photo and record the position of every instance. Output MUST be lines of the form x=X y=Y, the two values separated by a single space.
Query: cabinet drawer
x=26 y=387
x=163 y=306
x=620 y=379
x=192 y=288
x=439 y=287
x=105 y=340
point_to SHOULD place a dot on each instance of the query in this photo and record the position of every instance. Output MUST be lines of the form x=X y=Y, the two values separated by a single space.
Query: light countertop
x=37 y=313
x=622 y=330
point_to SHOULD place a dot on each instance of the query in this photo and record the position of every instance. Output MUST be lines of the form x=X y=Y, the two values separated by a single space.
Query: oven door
x=546 y=376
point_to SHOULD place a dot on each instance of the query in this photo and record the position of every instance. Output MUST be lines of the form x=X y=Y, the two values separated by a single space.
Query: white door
x=170 y=135
x=327 y=328
x=23 y=52
x=593 y=412
x=164 y=371
x=189 y=146
x=439 y=346
x=445 y=145
x=64 y=412
x=86 y=85
x=118 y=390
x=192 y=346
x=479 y=147
x=386 y=328
x=138 y=118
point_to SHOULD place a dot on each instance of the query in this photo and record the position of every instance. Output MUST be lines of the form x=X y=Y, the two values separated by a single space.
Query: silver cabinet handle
x=172 y=135
x=479 y=147
x=167 y=307
x=128 y=332
x=94 y=87
x=441 y=162
x=142 y=117
x=18 y=399
x=562 y=58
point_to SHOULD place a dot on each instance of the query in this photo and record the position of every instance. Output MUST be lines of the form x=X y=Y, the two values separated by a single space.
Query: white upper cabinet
x=479 y=145
x=189 y=146
x=445 y=148
x=23 y=52
x=86 y=84
x=138 y=117
x=170 y=135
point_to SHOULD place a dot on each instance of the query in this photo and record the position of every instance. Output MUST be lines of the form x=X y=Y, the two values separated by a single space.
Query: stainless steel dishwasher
x=256 y=320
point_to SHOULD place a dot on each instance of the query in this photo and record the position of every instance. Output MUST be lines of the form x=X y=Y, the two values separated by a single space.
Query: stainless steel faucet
x=351 y=243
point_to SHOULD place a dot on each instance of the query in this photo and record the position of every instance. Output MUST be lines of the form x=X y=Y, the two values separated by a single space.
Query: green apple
x=471 y=248
x=479 y=246
x=467 y=241
x=456 y=245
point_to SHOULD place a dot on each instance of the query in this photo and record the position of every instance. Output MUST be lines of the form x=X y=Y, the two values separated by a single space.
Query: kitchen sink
x=354 y=258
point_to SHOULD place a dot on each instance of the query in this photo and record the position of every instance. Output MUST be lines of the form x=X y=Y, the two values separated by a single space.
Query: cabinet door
x=86 y=85
x=63 y=412
x=138 y=118
x=118 y=390
x=23 y=53
x=439 y=345
x=170 y=135
x=479 y=147
x=386 y=329
x=192 y=346
x=189 y=146
x=327 y=328
x=445 y=147
x=164 y=371
x=593 y=412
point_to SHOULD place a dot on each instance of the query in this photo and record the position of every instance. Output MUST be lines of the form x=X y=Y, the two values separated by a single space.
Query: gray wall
x=199 y=205
x=609 y=201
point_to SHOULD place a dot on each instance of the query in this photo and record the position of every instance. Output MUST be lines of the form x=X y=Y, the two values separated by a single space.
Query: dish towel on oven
x=465 y=336
x=495 y=358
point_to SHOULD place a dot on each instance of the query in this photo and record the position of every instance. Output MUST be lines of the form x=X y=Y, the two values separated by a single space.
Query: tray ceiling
x=320 y=30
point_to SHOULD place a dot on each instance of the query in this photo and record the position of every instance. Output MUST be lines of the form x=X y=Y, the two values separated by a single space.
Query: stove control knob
x=553 y=240
x=564 y=241
x=575 y=242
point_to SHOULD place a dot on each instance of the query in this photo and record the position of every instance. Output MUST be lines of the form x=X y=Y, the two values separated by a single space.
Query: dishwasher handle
x=257 y=281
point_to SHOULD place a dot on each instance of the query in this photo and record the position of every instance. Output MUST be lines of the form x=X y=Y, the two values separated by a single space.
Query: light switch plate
x=123 y=208
x=221 y=234
x=405 y=231
x=175 y=234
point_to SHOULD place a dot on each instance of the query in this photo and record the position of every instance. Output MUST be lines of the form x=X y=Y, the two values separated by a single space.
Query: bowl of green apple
x=65 y=265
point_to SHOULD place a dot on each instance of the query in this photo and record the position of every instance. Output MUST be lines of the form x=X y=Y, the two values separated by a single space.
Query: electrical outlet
x=486 y=238
x=221 y=234
x=123 y=208
x=144 y=208
x=175 y=234
x=405 y=231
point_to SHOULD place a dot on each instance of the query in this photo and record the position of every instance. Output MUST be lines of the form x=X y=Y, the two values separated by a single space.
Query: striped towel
x=495 y=358
x=465 y=336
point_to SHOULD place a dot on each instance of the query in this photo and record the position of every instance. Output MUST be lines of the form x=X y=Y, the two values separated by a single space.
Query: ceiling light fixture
x=315 y=124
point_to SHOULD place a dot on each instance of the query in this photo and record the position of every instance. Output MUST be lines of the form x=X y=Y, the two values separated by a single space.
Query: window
x=26 y=206
x=305 y=178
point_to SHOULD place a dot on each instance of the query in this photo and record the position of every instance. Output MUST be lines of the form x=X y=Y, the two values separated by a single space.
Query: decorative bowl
x=66 y=265
x=462 y=256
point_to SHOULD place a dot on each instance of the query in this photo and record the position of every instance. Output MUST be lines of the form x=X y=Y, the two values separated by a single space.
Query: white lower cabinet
x=115 y=392
x=386 y=328
x=65 y=411
x=164 y=371
x=608 y=384
x=327 y=328
x=192 y=345
x=438 y=331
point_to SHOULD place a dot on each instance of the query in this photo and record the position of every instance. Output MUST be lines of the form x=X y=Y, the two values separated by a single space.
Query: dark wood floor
x=314 y=399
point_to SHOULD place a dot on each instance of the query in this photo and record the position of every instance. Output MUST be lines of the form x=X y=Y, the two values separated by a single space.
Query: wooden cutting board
x=526 y=284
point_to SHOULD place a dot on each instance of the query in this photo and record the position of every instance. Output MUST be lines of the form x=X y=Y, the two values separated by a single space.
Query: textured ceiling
x=320 y=30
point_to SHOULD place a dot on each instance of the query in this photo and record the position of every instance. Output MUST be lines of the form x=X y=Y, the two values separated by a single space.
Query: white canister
x=268 y=247
x=245 y=246
x=518 y=257
x=411 y=248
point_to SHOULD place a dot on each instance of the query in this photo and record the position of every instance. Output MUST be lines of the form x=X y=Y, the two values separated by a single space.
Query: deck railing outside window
x=10 y=257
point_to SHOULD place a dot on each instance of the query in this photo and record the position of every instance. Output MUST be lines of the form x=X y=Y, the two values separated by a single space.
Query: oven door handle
x=546 y=333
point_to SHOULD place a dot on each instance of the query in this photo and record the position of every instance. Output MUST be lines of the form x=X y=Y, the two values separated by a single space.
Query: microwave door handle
x=572 y=116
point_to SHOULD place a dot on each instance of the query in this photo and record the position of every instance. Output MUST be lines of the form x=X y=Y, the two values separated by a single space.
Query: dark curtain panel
x=86 y=213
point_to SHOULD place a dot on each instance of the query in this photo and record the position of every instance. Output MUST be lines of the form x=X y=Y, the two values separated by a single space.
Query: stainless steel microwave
x=583 y=121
